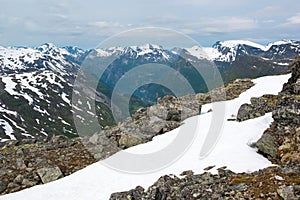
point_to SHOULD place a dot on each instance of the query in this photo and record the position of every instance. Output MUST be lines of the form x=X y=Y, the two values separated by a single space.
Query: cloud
x=105 y=24
x=209 y=3
x=204 y=25
x=294 y=19
x=164 y=19
x=270 y=11
x=207 y=26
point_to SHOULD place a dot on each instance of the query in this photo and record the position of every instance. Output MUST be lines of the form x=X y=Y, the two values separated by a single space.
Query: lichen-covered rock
x=287 y=193
x=49 y=174
x=127 y=141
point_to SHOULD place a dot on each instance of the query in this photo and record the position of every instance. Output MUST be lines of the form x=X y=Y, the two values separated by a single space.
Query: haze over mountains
x=37 y=83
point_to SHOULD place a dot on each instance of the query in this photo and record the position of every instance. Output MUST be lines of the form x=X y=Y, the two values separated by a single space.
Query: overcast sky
x=85 y=23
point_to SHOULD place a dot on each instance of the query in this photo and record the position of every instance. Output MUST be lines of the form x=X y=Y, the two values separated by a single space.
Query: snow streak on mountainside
x=232 y=150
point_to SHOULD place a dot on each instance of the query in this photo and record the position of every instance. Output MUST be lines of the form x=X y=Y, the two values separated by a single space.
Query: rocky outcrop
x=24 y=164
x=281 y=142
x=259 y=106
x=269 y=183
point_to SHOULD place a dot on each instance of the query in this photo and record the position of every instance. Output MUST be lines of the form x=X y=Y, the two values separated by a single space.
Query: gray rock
x=266 y=144
x=297 y=87
x=28 y=183
x=19 y=179
x=245 y=112
x=259 y=106
x=49 y=174
x=20 y=152
x=3 y=185
x=61 y=142
x=136 y=193
x=20 y=163
x=128 y=140
x=286 y=192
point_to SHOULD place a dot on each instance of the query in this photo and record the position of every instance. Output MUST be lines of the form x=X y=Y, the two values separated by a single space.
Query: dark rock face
x=281 y=142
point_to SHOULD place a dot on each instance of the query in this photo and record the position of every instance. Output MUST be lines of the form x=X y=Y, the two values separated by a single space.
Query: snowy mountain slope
x=46 y=56
x=232 y=150
x=36 y=86
x=38 y=105
x=32 y=104
x=229 y=51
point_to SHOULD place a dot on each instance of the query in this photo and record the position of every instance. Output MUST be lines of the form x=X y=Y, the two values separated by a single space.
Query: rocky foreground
x=280 y=143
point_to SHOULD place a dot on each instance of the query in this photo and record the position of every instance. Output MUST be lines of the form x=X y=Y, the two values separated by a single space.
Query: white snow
x=280 y=63
x=89 y=105
x=7 y=129
x=4 y=110
x=233 y=43
x=98 y=181
x=38 y=108
x=281 y=42
x=198 y=52
x=10 y=85
x=65 y=98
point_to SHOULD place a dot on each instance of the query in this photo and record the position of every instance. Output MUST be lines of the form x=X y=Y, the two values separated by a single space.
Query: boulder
x=259 y=106
x=286 y=193
x=128 y=140
x=136 y=193
x=266 y=144
x=49 y=174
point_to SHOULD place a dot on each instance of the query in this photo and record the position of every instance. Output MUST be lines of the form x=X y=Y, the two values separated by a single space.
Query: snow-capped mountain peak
x=47 y=47
x=151 y=50
x=236 y=43
x=46 y=56
x=229 y=51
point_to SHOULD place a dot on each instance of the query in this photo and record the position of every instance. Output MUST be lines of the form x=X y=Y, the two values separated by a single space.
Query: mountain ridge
x=47 y=71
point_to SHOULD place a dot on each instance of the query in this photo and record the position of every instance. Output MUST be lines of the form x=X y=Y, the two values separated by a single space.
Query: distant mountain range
x=36 y=84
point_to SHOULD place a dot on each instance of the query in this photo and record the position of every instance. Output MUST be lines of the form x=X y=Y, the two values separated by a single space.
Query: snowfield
x=232 y=150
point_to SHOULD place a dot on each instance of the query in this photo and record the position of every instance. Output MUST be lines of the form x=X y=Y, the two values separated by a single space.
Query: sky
x=86 y=23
